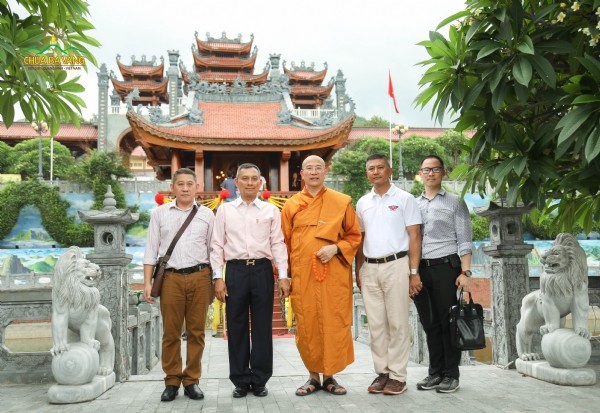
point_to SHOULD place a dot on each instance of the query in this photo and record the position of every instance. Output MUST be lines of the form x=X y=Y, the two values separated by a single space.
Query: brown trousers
x=184 y=298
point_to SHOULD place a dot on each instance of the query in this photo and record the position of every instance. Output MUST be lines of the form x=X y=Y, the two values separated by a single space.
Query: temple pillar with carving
x=509 y=278
x=175 y=161
x=284 y=171
x=173 y=74
x=109 y=254
x=102 y=109
x=199 y=168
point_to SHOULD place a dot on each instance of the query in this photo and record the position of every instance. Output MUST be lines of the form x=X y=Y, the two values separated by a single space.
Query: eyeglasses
x=435 y=170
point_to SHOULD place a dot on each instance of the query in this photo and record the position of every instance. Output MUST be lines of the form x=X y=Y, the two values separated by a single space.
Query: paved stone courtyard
x=483 y=389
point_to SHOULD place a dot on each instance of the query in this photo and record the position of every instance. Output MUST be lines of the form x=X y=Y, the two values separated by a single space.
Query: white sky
x=362 y=38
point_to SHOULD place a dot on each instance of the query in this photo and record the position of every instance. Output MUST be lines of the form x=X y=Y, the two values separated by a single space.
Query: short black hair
x=246 y=165
x=376 y=156
x=432 y=156
x=183 y=171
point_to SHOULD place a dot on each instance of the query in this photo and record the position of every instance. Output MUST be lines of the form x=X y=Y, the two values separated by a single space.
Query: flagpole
x=390 y=126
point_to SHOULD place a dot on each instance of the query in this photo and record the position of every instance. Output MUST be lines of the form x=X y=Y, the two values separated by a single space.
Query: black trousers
x=433 y=303
x=250 y=292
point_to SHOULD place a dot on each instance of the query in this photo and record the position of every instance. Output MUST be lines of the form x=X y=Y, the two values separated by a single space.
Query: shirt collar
x=391 y=190
x=173 y=204
x=238 y=201
x=441 y=192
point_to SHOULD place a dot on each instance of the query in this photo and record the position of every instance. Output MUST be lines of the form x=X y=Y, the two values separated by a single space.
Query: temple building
x=222 y=112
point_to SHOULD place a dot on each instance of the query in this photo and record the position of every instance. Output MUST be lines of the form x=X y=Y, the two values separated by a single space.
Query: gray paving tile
x=483 y=389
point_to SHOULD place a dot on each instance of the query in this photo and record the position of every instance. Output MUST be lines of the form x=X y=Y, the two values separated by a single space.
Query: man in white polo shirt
x=386 y=272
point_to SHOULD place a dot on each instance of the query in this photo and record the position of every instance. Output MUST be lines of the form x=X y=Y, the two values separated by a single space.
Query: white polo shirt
x=384 y=219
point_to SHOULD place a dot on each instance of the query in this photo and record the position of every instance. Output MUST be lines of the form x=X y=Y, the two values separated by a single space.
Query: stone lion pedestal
x=83 y=369
x=566 y=355
x=563 y=291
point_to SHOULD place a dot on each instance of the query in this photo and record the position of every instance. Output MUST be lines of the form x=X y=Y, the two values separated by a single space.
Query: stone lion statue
x=76 y=306
x=563 y=290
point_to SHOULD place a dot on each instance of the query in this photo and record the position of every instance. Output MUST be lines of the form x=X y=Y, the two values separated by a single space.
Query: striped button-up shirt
x=193 y=246
x=446 y=227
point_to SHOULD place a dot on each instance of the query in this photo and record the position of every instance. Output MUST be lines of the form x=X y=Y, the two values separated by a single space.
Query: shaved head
x=312 y=158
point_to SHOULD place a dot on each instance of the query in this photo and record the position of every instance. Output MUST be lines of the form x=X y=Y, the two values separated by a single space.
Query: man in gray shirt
x=445 y=266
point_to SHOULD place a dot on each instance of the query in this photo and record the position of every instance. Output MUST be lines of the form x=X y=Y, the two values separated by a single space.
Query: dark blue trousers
x=250 y=292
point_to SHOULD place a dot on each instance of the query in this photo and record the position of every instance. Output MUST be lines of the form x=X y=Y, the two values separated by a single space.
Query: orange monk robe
x=323 y=310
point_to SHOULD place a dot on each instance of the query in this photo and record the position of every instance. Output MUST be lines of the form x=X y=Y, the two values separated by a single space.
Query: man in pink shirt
x=247 y=236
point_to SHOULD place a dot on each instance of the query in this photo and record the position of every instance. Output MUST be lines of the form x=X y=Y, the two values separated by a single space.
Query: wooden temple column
x=199 y=168
x=284 y=171
x=175 y=161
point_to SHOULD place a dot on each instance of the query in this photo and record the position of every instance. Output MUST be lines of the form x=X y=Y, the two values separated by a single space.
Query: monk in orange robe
x=322 y=234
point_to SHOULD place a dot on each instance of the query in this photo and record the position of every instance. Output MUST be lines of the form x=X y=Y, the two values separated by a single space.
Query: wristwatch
x=413 y=271
x=468 y=273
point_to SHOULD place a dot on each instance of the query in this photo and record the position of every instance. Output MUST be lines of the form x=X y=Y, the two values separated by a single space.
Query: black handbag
x=466 y=324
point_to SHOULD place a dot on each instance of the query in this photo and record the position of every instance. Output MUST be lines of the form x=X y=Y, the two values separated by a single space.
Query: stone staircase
x=279 y=322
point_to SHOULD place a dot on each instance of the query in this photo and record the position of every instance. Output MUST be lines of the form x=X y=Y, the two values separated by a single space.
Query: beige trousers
x=385 y=295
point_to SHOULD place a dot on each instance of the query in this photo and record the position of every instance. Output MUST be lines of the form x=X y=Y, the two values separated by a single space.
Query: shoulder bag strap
x=180 y=232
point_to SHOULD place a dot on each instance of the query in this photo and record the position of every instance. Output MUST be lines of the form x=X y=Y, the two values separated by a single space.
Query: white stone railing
x=313 y=113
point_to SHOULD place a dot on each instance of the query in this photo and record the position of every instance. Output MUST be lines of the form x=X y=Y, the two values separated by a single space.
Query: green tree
x=374 y=122
x=5 y=155
x=525 y=75
x=414 y=149
x=351 y=164
x=455 y=146
x=481 y=227
x=97 y=170
x=29 y=30
x=23 y=159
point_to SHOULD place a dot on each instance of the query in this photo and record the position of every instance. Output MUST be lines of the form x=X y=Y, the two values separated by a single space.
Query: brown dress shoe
x=379 y=383
x=393 y=387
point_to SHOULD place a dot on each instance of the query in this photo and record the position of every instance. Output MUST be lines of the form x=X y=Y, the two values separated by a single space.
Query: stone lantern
x=109 y=253
x=509 y=278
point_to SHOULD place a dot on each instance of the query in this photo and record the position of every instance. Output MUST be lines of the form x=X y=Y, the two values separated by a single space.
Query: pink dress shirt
x=246 y=231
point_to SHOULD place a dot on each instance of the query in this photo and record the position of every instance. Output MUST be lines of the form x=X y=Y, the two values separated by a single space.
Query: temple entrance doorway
x=224 y=162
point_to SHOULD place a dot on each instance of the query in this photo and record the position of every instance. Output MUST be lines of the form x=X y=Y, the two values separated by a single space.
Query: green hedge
x=53 y=209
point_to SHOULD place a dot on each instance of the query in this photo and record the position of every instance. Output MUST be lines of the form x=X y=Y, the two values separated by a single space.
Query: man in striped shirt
x=186 y=288
x=445 y=266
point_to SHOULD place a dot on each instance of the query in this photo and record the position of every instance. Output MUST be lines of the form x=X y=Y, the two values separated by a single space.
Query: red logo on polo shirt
x=393 y=207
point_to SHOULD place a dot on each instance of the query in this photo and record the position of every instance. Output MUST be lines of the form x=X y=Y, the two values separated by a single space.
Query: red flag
x=391 y=92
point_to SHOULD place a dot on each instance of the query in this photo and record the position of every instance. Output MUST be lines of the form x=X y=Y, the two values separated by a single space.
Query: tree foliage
x=526 y=76
x=97 y=170
x=24 y=159
x=5 y=151
x=374 y=122
x=53 y=209
x=455 y=146
x=28 y=30
x=351 y=164
x=414 y=149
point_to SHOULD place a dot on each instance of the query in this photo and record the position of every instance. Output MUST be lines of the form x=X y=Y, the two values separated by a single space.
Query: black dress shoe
x=240 y=391
x=193 y=392
x=260 y=391
x=169 y=394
